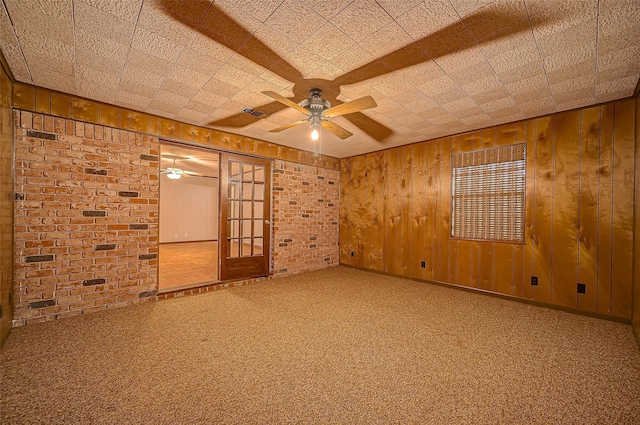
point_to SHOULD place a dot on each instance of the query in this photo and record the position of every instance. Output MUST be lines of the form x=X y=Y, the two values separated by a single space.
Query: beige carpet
x=336 y=346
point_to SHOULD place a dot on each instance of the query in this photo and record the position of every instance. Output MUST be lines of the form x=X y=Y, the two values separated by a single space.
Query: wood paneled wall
x=636 y=257
x=6 y=205
x=396 y=205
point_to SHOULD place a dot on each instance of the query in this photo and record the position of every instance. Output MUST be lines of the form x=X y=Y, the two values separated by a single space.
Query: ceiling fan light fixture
x=314 y=134
x=174 y=176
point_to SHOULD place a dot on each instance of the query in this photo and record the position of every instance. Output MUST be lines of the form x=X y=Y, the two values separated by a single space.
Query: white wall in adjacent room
x=188 y=209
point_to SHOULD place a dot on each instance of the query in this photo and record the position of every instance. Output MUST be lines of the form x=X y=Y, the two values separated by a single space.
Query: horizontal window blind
x=488 y=194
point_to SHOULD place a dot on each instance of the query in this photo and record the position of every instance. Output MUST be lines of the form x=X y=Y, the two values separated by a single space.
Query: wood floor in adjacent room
x=187 y=264
x=335 y=346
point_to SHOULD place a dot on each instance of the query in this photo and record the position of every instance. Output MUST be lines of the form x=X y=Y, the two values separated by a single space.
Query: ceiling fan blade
x=192 y=173
x=174 y=157
x=341 y=132
x=357 y=105
x=284 y=100
x=284 y=127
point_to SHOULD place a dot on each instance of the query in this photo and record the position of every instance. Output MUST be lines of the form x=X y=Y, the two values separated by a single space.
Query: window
x=488 y=194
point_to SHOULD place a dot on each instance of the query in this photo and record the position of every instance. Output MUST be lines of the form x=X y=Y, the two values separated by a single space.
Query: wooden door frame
x=243 y=267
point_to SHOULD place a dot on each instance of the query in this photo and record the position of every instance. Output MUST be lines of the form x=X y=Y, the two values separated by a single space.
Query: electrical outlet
x=423 y=264
x=582 y=288
x=534 y=280
x=353 y=253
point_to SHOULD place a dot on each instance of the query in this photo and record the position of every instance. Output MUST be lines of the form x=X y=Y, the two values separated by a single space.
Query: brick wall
x=86 y=217
x=305 y=217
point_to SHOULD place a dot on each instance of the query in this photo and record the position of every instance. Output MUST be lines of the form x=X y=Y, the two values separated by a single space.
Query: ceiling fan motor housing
x=315 y=103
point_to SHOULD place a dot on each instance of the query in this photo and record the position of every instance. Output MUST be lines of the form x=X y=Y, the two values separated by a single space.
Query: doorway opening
x=189 y=217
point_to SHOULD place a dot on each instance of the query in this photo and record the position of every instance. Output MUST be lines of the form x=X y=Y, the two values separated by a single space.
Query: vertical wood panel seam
x=578 y=216
x=533 y=204
x=553 y=191
x=598 y=209
x=613 y=217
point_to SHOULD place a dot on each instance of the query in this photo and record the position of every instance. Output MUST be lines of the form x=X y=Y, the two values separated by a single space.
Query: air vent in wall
x=252 y=112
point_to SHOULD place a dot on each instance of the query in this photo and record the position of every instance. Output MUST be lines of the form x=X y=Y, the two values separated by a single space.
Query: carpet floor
x=335 y=346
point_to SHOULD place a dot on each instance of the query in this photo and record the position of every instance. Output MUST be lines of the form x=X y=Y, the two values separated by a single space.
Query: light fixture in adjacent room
x=174 y=173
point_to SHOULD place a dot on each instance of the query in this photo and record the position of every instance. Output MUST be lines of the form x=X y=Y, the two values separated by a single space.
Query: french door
x=245 y=226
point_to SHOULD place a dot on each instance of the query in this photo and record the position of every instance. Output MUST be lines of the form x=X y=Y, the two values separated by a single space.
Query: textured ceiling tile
x=181 y=89
x=616 y=89
x=50 y=79
x=141 y=76
x=388 y=39
x=137 y=88
x=260 y=10
x=586 y=81
x=390 y=84
x=353 y=58
x=250 y=99
x=126 y=11
x=132 y=100
x=421 y=73
x=534 y=83
x=153 y=64
x=409 y=119
x=302 y=60
x=621 y=39
x=422 y=105
x=619 y=64
x=479 y=120
x=489 y=83
x=163 y=108
x=327 y=71
x=510 y=113
x=171 y=98
x=427 y=18
x=355 y=91
x=210 y=99
x=463 y=104
x=39 y=50
x=155 y=45
x=444 y=120
x=191 y=116
x=465 y=7
x=497 y=105
x=469 y=72
x=220 y=88
x=295 y=20
x=101 y=53
x=548 y=17
x=107 y=25
x=188 y=77
x=497 y=19
x=50 y=19
x=11 y=49
x=566 y=97
x=328 y=42
x=408 y=96
x=515 y=58
x=154 y=19
x=361 y=19
x=327 y=8
x=538 y=107
x=521 y=72
x=573 y=104
x=386 y=105
x=396 y=8
x=571 y=72
x=205 y=46
x=582 y=37
x=234 y=76
x=278 y=81
x=195 y=61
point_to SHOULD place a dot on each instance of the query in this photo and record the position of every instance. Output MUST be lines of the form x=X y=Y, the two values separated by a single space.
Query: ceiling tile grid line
x=433 y=67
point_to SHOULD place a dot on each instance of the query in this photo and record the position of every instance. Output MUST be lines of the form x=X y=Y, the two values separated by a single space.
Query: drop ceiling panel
x=434 y=67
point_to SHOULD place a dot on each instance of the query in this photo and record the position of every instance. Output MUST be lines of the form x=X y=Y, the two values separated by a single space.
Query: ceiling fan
x=174 y=173
x=319 y=112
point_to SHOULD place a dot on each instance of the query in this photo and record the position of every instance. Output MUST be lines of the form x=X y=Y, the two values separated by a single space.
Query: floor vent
x=252 y=112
